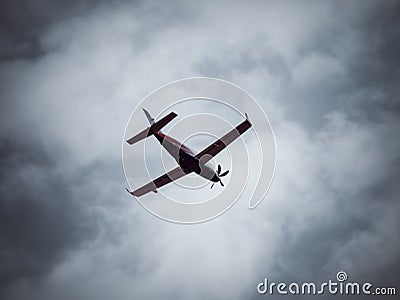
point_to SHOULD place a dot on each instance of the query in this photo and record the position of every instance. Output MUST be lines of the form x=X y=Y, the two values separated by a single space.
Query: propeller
x=219 y=172
x=219 y=169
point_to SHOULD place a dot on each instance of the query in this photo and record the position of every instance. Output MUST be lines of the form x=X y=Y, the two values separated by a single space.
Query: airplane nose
x=215 y=178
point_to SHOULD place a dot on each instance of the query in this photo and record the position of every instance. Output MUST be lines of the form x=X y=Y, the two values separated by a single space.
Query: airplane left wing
x=159 y=182
x=223 y=142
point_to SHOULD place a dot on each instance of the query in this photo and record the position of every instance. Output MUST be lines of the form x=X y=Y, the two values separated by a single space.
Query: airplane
x=187 y=160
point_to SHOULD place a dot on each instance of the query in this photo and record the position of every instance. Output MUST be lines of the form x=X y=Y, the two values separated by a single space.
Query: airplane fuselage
x=185 y=157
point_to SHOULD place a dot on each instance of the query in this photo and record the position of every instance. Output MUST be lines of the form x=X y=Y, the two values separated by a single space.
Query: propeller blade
x=219 y=169
x=212 y=185
x=223 y=174
x=221 y=183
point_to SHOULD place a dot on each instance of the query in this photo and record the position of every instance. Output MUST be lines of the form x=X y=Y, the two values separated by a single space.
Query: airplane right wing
x=152 y=186
x=223 y=142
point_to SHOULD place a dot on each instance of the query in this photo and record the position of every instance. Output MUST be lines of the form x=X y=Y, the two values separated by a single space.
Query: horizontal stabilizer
x=164 y=121
x=155 y=127
x=140 y=136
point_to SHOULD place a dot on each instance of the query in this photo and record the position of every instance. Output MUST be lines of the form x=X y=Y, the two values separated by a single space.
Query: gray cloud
x=39 y=215
x=325 y=74
x=22 y=24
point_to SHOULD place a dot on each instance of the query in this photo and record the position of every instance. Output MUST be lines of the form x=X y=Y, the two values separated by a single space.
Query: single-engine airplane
x=188 y=161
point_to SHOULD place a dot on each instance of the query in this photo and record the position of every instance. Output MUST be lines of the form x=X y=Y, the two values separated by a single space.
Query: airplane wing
x=159 y=182
x=223 y=142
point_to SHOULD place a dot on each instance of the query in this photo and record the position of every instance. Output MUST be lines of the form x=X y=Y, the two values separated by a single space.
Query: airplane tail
x=154 y=127
x=151 y=120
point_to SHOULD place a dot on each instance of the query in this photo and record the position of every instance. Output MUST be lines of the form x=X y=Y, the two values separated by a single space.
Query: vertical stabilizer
x=151 y=120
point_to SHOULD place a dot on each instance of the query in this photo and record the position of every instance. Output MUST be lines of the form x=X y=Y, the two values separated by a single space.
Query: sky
x=71 y=73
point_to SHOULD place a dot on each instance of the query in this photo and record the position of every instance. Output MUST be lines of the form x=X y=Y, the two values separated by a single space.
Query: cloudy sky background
x=326 y=73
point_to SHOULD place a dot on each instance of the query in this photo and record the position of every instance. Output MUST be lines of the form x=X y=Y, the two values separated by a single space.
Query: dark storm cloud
x=369 y=95
x=374 y=67
x=366 y=45
x=46 y=206
x=39 y=217
x=23 y=22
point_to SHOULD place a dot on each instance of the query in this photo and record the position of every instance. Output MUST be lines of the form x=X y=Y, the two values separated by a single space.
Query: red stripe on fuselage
x=174 y=141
